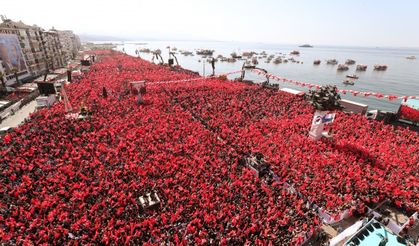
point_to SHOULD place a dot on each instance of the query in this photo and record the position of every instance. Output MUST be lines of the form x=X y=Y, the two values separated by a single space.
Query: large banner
x=11 y=54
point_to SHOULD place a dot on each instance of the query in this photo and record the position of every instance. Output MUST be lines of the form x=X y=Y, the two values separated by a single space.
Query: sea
x=400 y=79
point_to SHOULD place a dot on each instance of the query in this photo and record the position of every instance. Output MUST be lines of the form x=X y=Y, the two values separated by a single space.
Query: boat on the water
x=295 y=52
x=350 y=62
x=352 y=76
x=205 y=52
x=249 y=66
x=306 y=46
x=361 y=67
x=278 y=60
x=348 y=82
x=332 y=62
x=342 y=67
x=186 y=53
x=316 y=62
x=380 y=67
x=411 y=57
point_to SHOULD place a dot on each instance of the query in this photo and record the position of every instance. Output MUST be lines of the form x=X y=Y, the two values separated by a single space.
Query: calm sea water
x=401 y=77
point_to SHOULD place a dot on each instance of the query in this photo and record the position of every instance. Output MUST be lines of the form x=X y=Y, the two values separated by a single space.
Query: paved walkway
x=19 y=116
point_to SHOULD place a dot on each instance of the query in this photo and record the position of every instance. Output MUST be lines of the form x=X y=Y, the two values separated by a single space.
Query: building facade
x=41 y=50
x=53 y=49
x=30 y=38
x=70 y=44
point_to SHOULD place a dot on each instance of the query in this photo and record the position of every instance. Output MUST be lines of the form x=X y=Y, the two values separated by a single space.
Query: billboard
x=11 y=54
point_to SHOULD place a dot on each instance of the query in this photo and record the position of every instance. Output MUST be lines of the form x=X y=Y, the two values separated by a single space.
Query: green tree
x=15 y=72
x=3 y=83
x=326 y=98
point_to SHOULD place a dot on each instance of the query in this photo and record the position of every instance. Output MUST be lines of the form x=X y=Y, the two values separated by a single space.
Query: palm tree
x=15 y=71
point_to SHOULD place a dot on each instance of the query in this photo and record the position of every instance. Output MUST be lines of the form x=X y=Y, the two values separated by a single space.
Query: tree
x=325 y=99
x=15 y=71
x=3 y=83
x=49 y=64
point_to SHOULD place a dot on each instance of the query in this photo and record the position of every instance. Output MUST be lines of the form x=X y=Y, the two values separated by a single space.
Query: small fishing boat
x=411 y=57
x=380 y=67
x=350 y=62
x=205 y=52
x=361 y=67
x=352 y=76
x=348 y=82
x=278 y=60
x=295 y=52
x=332 y=62
x=342 y=67
x=248 y=66
x=316 y=62
x=306 y=46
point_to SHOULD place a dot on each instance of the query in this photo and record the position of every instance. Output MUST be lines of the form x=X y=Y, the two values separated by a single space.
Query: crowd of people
x=66 y=180
x=409 y=113
x=365 y=163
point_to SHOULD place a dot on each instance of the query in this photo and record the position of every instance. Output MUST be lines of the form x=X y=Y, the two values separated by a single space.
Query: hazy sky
x=329 y=22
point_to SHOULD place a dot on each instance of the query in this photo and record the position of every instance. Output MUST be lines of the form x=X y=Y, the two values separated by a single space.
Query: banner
x=11 y=54
x=353 y=92
x=317 y=125
x=328 y=118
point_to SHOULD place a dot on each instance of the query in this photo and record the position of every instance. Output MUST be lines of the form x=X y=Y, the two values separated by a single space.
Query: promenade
x=78 y=181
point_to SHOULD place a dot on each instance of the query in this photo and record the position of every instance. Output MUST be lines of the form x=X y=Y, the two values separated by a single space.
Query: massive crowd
x=75 y=181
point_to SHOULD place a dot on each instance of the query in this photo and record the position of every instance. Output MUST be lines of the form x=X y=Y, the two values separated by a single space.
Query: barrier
x=353 y=92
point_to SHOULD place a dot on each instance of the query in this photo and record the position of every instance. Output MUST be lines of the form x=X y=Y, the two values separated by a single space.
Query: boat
x=278 y=60
x=316 y=62
x=332 y=62
x=235 y=55
x=248 y=66
x=411 y=57
x=361 y=67
x=350 y=62
x=249 y=54
x=145 y=50
x=306 y=46
x=295 y=52
x=348 y=82
x=342 y=67
x=380 y=67
x=187 y=53
x=352 y=76
x=205 y=52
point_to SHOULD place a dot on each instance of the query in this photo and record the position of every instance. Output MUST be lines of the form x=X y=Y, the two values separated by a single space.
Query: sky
x=383 y=23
